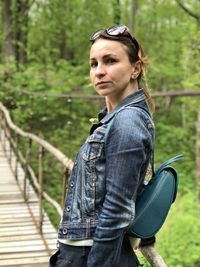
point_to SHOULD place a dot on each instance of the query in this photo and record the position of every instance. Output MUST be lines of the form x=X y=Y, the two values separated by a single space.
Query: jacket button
x=64 y=231
x=68 y=208
x=93 y=182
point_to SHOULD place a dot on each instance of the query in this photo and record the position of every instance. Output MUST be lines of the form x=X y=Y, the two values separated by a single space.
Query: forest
x=45 y=85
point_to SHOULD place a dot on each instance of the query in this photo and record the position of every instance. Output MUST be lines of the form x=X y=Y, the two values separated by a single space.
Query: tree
x=15 y=28
x=7 y=45
x=21 y=30
x=116 y=11
x=189 y=11
x=134 y=5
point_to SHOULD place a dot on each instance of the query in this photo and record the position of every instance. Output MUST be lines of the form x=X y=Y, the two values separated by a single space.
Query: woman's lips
x=102 y=83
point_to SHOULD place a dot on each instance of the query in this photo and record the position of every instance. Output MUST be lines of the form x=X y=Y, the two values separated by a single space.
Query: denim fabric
x=72 y=256
x=108 y=173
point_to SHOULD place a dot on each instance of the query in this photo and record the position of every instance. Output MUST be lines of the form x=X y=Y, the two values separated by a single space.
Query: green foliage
x=177 y=137
x=179 y=239
x=169 y=41
x=143 y=261
x=58 y=48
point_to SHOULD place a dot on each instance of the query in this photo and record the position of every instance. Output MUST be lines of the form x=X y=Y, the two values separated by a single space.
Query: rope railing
x=156 y=94
x=10 y=138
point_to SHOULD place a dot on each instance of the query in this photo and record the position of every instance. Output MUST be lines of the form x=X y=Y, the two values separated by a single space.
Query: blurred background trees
x=44 y=54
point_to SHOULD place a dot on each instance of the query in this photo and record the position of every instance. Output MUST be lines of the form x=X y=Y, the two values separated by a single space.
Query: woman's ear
x=136 y=70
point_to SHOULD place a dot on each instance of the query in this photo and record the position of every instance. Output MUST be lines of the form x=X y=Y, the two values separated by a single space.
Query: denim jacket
x=108 y=174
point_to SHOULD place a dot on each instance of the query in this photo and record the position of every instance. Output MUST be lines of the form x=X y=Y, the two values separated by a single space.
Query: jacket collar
x=130 y=100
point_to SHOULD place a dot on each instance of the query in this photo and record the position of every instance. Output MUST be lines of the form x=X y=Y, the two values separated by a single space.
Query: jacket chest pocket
x=92 y=149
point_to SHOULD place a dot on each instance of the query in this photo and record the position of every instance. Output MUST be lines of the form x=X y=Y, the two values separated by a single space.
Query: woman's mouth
x=102 y=83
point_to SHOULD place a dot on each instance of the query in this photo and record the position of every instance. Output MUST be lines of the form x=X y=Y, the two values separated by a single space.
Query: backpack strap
x=168 y=162
x=165 y=166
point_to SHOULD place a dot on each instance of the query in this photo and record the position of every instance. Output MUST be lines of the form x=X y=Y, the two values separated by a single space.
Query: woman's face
x=110 y=69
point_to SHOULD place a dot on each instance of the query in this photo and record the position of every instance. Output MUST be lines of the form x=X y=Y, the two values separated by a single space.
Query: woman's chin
x=104 y=92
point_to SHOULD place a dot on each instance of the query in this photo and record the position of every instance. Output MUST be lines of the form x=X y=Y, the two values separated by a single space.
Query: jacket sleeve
x=125 y=151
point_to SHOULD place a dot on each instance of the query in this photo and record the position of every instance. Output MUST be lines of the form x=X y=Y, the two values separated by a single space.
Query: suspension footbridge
x=27 y=236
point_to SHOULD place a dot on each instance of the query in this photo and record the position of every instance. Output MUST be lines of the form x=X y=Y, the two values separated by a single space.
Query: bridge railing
x=10 y=136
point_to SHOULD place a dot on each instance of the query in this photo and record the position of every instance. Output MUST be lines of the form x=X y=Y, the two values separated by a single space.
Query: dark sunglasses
x=112 y=32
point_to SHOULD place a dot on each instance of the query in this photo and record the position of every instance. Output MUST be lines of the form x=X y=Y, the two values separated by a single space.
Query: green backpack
x=153 y=204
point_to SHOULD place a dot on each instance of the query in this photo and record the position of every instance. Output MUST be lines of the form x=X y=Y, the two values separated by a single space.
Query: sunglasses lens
x=116 y=30
x=96 y=35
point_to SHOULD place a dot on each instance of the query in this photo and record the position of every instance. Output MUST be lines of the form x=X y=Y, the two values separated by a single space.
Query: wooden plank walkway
x=21 y=244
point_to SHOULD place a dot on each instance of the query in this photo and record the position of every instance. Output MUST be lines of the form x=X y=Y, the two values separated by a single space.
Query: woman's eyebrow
x=105 y=56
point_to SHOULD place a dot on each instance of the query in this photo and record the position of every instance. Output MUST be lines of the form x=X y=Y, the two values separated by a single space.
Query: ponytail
x=142 y=79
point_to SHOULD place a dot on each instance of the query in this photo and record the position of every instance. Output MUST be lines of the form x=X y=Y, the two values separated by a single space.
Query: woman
x=110 y=167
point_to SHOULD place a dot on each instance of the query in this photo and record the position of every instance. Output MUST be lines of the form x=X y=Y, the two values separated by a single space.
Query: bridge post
x=10 y=147
x=28 y=151
x=40 y=178
x=17 y=157
x=8 y=142
x=3 y=134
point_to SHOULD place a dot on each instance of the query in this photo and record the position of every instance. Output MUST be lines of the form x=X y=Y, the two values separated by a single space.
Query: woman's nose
x=100 y=70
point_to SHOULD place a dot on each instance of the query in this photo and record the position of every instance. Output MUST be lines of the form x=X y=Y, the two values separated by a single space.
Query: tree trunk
x=21 y=30
x=133 y=15
x=117 y=11
x=7 y=46
x=66 y=52
x=198 y=159
x=188 y=11
x=152 y=256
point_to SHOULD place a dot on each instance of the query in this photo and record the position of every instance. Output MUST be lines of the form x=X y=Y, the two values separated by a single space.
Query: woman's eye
x=93 y=64
x=110 y=60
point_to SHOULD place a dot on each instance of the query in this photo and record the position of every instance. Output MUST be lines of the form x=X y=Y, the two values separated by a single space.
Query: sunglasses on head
x=112 y=32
